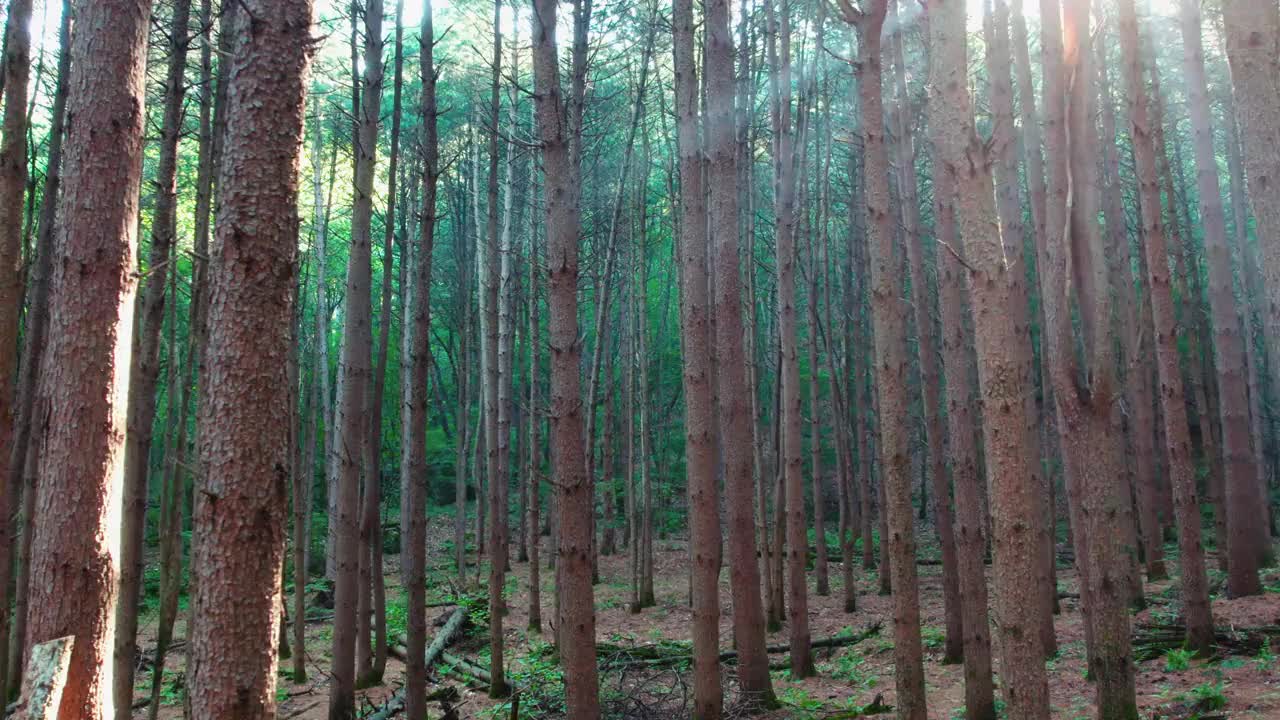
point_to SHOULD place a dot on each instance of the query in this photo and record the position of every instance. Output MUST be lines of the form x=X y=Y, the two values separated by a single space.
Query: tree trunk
x=1143 y=536
x=930 y=376
x=1087 y=415
x=239 y=518
x=1244 y=537
x=91 y=327
x=971 y=524
x=1003 y=343
x=24 y=454
x=1194 y=586
x=560 y=135
x=355 y=374
x=15 y=68
x=1252 y=34
x=533 y=471
x=700 y=429
x=495 y=442
x=413 y=462
x=144 y=370
x=1045 y=420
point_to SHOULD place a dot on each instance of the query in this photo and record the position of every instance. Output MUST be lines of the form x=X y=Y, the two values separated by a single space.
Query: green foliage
x=932 y=637
x=1208 y=697
x=1178 y=660
x=851 y=667
x=1266 y=658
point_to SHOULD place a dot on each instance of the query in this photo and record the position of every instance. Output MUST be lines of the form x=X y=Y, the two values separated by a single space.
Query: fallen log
x=45 y=678
x=396 y=703
x=467 y=668
x=1151 y=641
x=658 y=654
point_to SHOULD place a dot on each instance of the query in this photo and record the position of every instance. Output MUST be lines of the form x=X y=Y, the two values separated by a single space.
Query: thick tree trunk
x=700 y=428
x=84 y=375
x=239 y=518
x=1009 y=211
x=144 y=364
x=1194 y=586
x=1088 y=416
x=1252 y=31
x=1244 y=537
x=560 y=136
x=1003 y=345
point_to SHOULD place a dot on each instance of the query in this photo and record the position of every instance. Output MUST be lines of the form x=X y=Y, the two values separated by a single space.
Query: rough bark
x=1088 y=417
x=23 y=457
x=1173 y=409
x=971 y=526
x=699 y=424
x=144 y=370
x=560 y=135
x=1241 y=471
x=891 y=363
x=238 y=516
x=1045 y=420
x=1252 y=31
x=85 y=375
x=1003 y=344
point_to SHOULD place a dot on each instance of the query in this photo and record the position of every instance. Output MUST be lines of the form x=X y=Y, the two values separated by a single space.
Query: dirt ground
x=849 y=677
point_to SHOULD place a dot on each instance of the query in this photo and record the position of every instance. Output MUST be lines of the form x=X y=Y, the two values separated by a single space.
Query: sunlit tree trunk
x=84 y=373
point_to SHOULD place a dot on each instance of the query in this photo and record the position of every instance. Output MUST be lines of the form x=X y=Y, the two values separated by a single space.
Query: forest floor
x=1171 y=687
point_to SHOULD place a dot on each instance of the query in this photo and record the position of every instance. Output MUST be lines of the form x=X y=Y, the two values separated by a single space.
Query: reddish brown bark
x=559 y=131
x=891 y=362
x=1194 y=586
x=1003 y=343
x=789 y=370
x=144 y=370
x=1045 y=422
x=85 y=372
x=239 y=516
x=926 y=343
x=700 y=424
x=1088 y=414
x=1244 y=537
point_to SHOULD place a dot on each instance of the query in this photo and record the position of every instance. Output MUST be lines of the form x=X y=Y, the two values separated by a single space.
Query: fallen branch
x=619 y=656
x=1151 y=641
x=451 y=627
